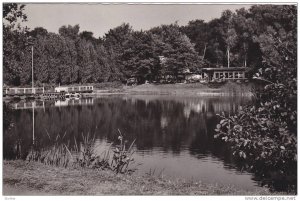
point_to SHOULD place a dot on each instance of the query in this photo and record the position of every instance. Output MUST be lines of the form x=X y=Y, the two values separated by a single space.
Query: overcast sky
x=99 y=18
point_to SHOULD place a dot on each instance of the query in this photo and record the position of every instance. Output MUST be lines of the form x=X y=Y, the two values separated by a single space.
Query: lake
x=174 y=135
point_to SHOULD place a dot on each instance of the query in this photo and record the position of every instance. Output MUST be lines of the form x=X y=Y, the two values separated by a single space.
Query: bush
x=264 y=135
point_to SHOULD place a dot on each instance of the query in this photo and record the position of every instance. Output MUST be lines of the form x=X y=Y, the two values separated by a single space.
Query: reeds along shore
x=117 y=158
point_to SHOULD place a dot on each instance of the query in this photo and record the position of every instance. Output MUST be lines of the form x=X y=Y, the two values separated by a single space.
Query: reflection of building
x=58 y=103
x=199 y=107
x=205 y=106
x=85 y=101
x=28 y=105
x=163 y=122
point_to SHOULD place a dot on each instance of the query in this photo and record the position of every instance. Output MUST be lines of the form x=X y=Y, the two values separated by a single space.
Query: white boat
x=73 y=95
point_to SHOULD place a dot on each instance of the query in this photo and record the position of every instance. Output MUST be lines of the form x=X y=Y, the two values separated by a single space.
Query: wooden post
x=32 y=66
x=33 y=124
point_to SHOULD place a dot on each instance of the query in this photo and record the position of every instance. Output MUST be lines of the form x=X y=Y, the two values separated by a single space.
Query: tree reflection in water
x=168 y=130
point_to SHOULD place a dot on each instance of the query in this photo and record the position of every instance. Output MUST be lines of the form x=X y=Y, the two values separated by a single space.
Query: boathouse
x=231 y=73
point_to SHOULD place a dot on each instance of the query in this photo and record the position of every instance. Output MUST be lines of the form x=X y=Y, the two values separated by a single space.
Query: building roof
x=225 y=69
x=61 y=87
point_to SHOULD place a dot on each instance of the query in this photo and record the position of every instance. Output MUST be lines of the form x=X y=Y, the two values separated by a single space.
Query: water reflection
x=172 y=133
x=57 y=103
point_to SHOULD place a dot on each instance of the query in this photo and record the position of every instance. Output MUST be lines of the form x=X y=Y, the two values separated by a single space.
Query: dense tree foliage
x=240 y=38
x=177 y=49
x=14 y=43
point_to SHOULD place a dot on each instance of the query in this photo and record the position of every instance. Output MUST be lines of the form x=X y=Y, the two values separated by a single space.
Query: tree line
x=240 y=38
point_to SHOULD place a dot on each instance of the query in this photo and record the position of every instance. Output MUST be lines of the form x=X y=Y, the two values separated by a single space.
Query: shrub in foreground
x=263 y=136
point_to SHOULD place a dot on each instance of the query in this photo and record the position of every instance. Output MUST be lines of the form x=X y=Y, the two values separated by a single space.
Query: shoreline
x=194 y=90
x=33 y=178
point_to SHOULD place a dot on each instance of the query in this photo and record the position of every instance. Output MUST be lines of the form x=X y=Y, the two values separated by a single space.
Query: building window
x=221 y=75
x=226 y=75
x=236 y=75
x=241 y=75
x=217 y=75
x=230 y=75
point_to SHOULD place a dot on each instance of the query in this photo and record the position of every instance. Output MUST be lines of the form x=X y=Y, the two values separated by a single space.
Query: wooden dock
x=41 y=93
x=53 y=95
x=16 y=91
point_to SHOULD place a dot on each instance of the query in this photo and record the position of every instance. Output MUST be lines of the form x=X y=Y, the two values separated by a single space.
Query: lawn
x=33 y=178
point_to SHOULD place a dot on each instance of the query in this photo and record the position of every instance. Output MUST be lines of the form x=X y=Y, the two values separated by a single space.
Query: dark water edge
x=174 y=135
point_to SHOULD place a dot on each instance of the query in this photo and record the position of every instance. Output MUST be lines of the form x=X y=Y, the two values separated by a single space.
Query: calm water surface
x=174 y=135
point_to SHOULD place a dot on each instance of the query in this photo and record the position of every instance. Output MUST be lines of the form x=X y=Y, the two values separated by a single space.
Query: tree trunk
x=228 y=57
x=204 y=51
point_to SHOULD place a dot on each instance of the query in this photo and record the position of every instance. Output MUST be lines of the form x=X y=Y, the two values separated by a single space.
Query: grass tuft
x=84 y=155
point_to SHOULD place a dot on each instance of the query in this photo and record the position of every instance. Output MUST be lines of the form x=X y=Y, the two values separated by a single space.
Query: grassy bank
x=197 y=89
x=33 y=178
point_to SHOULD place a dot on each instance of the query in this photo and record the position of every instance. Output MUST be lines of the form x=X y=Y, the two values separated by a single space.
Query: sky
x=100 y=18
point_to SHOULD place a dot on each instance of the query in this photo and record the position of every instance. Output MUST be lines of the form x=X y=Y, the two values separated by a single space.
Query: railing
x=23 y=91
x=74 y=89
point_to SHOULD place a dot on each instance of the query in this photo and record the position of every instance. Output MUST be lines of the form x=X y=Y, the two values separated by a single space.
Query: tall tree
x=228 y=32
x=198 y=32
x=69 y=68
x=139 y=57
x=178 y=50
x=114 y=42
x=15 y=52
x=69 y=31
